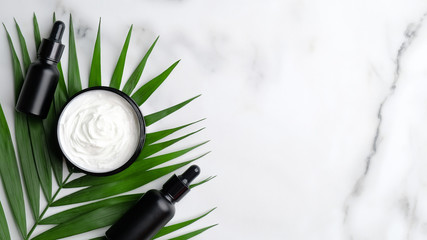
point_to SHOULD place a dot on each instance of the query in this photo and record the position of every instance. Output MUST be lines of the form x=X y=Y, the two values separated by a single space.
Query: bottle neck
x=47 y=61
x=167 y=196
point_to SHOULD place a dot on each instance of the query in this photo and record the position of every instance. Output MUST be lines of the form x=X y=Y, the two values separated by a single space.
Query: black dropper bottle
x=153 y=210
x=42 y=77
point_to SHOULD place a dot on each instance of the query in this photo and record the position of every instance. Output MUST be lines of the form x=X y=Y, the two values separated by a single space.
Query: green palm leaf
x=37 y=145
x=134 y=169
x=55 y=154
x=172 y=228
x=156 y=136
x=28 y=166
x=74 y=82
x=154 y=117
x=61 y=94
x=202 y=182
x=192 y=234
x=10 y=175
x=98 y=218
x=37 y=37
x=40 y=150
x=16 y=65
x=22 y=135
x=143 y=93
x=23 y=44
x=95 y=69
x=152 y=162
x=157 y=147
x=113 y=188
x=4 y=230
x=72 y=213
x=116 y=79
x=41 y=155
x=136 y=75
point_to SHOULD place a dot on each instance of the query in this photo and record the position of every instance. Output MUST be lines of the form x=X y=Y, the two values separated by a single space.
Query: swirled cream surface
x=98 y=131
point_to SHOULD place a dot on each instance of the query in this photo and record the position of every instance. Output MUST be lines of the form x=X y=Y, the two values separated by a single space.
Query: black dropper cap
x=177 y=186
x=51 y=48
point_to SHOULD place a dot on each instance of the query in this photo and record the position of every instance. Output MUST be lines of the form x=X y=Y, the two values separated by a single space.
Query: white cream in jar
x=98 y=131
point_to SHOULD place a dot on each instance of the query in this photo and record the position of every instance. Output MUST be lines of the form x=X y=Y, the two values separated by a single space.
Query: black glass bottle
x=153 y=210
x=42 y=77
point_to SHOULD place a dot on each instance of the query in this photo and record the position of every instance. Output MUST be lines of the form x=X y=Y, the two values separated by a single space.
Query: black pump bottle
x=42 y=77
x=153 y=210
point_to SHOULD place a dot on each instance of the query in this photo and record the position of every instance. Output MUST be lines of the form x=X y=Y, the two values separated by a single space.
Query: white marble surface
x=317 y=110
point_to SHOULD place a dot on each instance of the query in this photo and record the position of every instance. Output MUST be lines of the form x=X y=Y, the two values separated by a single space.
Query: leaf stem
x=48 y=205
